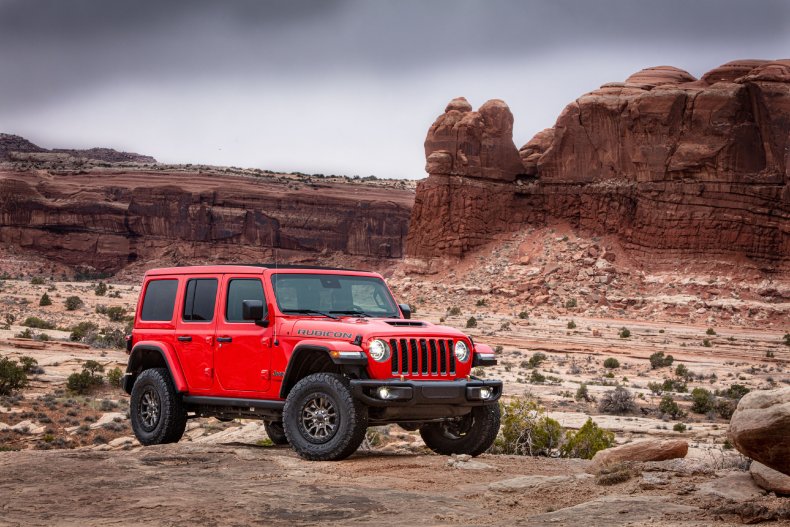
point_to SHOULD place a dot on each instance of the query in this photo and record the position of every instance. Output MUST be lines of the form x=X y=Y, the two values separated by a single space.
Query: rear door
x=243 y=351
x=195 y=329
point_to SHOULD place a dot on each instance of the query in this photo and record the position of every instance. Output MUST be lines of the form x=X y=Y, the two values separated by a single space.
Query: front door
x=242 y=355
x=195 y=332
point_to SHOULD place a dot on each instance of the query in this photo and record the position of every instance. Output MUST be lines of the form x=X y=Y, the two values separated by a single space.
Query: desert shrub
x=734 y=392
x=588 y=440
x=536 y=359
x=571 y=324
x=725 y=408
x=617 y=401
x=45 y=300
x=706 y=343
x=114 y=294
x=73 y=303
x=25 y=334
x=683 y=372
x=668 y=406
x=79 y=331
x=524 y=315
x=655 y=387
x=583 y=394
x=710 y=331
x=624 y=333
x=527 y=431
x=12 y=376
x=536 y=377
x=570 y=303
x=38 y=323
x=679 y=427
x=100 y=289
x=674 y=385
x=114 y=377
x=702 y=401
x=612 y=475
x=37 y=280
x=481 y=302
x=106 y=338
x=659 y=360
x=611 y=363
x=30 y=365
x=786 y=339
x=116 y=313
x=89 y=378
x=454 y=311
x=471 y=322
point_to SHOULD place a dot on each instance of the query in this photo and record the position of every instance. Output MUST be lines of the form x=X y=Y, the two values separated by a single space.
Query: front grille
x=422 y=357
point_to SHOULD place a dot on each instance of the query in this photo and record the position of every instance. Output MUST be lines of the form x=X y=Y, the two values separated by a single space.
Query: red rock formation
x=676 y=167
x=106 y=219
x=14 y=147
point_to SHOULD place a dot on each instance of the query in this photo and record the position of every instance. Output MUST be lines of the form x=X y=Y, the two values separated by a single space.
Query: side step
x=231 y=408
x=200 y=400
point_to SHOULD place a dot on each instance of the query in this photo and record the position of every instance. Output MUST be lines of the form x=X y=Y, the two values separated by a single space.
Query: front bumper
x=460 y=392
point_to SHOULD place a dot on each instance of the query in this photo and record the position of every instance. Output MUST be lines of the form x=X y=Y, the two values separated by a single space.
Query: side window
x=159 y=300
x=199 y=300
x=241 y=289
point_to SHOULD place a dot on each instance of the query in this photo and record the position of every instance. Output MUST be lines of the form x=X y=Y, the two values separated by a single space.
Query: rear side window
x=199 y=300
x=241 y=289
x=159 y=301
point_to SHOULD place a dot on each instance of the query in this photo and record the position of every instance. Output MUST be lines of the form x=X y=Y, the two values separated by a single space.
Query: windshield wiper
x=352 y=312
x=310 y=312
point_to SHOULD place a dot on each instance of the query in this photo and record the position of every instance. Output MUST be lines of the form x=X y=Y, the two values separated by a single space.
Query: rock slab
x=646 y=450
x=760 y=428
x=770 y=479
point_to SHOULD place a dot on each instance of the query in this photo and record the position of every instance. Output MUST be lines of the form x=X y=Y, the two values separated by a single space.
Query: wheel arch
x=147 y=355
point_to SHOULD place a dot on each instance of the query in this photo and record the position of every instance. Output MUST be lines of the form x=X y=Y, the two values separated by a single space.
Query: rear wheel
x=322 y=420
x=470 y=434
x=155 y=409
x=276 y=432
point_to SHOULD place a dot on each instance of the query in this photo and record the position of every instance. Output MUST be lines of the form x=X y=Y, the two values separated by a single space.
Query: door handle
x=185 y=338
x=224 y=339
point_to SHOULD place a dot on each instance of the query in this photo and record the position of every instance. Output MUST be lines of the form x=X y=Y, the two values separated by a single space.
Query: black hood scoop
x=406 y=323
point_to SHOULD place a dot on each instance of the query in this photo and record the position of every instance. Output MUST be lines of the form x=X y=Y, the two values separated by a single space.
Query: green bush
x=536 y=359
x=710 y=331
x=527 y=431
x=37 y=281
x=82 y=329
x=611 y=363
x=674 y=385
x=679 y=427
x=45 y=300
x=786 y=339
x=524 y=315
x=73 y=303
x=734 y=392
x=454 y=311
x=12 y=376
x=38 y=323
x=702 y=401
x=659 y=360
x=571 y=324
x=624 y=333
x=725 y=408
x=471 y=322
x=482 y=302
x=706 y=343
x=668 y=406
x=583 y=394
x=114 y=377
x=570 y=303
x=100 y=289
x=683 y=372
x=617 y=401
x=30 y=365
x=536 y=377
x=588 y=440
x=89 y=378
x=116 y=313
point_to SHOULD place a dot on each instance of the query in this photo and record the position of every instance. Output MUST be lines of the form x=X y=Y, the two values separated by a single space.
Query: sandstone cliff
x=16 y=148
x=106 y=219
x=671 y=165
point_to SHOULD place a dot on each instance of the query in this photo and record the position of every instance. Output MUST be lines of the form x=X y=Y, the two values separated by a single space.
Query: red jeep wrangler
x=318 y=354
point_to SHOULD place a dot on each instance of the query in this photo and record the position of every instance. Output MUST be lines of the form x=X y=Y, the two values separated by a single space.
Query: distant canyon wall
x=672 y=165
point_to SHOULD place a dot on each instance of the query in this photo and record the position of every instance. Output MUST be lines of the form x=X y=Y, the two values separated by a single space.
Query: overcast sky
x=336 y=86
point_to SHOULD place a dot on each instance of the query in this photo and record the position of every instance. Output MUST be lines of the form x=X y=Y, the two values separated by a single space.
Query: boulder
x=735 y=486
x=644 y=450
x=770 y=479
x=760 y=428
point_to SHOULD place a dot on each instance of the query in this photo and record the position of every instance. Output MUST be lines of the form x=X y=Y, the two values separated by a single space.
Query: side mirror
x=253 y=310
x=406 y=310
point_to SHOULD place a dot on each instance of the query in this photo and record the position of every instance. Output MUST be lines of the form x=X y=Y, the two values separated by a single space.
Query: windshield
x=330 y=294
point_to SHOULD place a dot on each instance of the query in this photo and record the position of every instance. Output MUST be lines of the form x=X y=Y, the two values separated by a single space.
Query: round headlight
x=461 y=351
x=379 y=350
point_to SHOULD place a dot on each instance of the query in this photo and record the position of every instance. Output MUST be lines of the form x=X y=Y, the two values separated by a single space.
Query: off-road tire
x=477 y=433
x=276 y=432
x=155 y=385
x=350 y=418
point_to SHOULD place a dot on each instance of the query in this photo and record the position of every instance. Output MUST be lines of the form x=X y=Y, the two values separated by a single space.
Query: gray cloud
x=163 y=62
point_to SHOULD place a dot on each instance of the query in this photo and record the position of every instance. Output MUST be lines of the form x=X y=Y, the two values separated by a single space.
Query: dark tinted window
x=239 y=290
x=160 y=298
x=201 y=294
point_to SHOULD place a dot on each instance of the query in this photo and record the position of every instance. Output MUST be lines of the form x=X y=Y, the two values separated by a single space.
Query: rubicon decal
x=319 y=333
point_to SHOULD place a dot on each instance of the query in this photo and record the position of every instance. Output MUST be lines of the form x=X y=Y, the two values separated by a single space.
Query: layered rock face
x=107 y=218
x=16 y=148
x=672 y=165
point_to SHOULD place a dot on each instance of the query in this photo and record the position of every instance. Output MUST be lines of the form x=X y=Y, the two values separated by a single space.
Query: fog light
x=486 y=393
x=384 y=393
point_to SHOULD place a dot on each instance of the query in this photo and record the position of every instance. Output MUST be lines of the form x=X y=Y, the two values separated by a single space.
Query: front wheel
x=155 y=409
x=472 y=434
x=322 y=420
